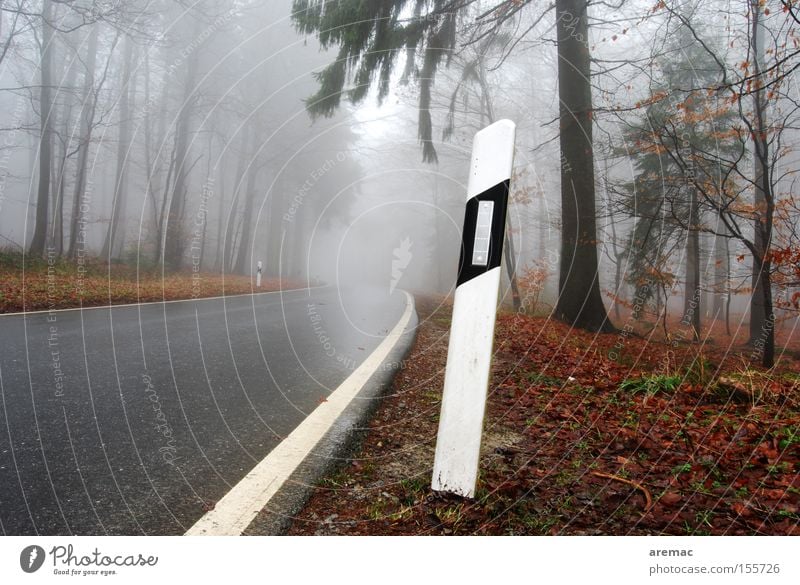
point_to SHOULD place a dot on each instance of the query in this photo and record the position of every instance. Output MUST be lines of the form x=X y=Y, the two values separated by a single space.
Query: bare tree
x=175 y=236
x=115 y=234
x=89 y=102
x=38 y=242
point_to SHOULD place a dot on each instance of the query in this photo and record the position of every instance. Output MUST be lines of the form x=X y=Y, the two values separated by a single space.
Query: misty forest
x=157 y=150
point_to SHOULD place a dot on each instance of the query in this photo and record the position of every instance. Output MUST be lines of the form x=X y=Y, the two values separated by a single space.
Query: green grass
x=683 y=468
x=651 y=385
x=789 y=436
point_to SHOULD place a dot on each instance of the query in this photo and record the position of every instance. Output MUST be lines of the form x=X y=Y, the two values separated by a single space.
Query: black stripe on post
x=466 y=269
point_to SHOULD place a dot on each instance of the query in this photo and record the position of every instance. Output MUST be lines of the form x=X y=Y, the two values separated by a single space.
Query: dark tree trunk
x=617 y=287
x=758 y=312
x=579 y=300
x=765 y=342
x=46 y=140
x=762 y=317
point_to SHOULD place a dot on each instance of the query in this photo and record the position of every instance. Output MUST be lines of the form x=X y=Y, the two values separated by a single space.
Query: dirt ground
x=44 y=285
x=584 y=434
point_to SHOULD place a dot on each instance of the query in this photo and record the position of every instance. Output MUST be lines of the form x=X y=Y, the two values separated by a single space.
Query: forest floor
x=584 y=434
x=61 y=284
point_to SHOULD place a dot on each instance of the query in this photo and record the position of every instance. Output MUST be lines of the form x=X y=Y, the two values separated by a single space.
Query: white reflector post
x=469 y=354
x=258 y=275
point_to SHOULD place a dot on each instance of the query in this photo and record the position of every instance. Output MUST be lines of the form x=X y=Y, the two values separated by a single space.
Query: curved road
x=136 y=419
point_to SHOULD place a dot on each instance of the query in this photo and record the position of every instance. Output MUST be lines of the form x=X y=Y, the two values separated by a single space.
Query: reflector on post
x=469 y=354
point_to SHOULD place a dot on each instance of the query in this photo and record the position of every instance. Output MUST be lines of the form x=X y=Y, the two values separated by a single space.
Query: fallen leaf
x=670 y=498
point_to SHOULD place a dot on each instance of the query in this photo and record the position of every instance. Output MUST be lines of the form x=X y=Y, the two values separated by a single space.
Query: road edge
x=161 y=302
x=265 y=500
x=338 y=444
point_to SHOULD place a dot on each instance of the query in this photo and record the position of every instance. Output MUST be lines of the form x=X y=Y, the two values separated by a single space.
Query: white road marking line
x=121 y=305
x=237 y=509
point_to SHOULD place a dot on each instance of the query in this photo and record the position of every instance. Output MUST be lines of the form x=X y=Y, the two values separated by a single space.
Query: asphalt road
x=136 y=419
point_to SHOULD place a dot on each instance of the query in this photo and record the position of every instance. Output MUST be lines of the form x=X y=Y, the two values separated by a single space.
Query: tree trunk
x=272 y=210
x=762 y=316
x=579 y=301
x=721 y=276
x=440 y=288
x=691 y=299
x=162 y=215
x=58 y=212
x=765 y=342
x=65 y=121
x=758 y=309
x=295 y=250
x=115 y=234
x=243 y=260
x=207 y=190
x=729 y=293
x=175 y=243
x=88 y=104
x=220 y=214
x=46 y=140
x=617 y=287
x=59 y=99
x=511 y=267
x=276 y=235
x=758 y=312
x=155 y=166
x=237 y=232
x=618 y=255
x=230 y=230
x=147 y=128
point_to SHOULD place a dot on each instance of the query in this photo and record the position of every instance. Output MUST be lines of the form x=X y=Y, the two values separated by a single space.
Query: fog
x=180 y=135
